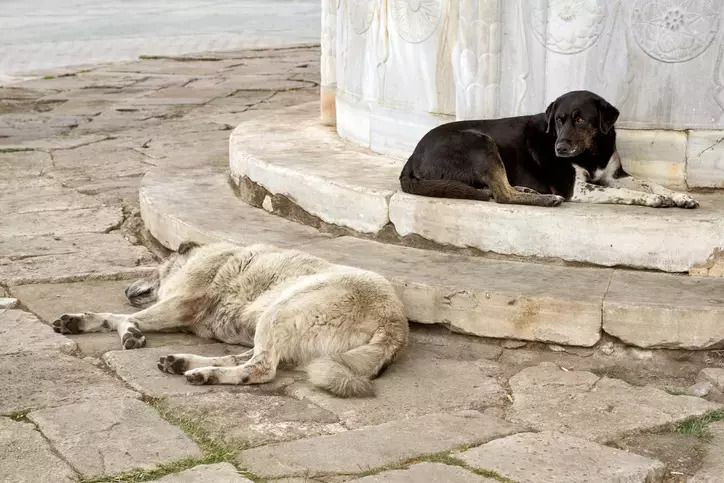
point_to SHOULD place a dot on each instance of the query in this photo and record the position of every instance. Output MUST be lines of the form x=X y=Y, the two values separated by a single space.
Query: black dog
x=566 y=153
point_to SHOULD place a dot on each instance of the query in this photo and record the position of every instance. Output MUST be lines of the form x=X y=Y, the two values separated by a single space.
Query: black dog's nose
x=564 y=148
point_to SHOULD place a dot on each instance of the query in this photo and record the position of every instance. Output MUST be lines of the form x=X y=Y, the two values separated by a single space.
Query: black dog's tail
x=439 y=188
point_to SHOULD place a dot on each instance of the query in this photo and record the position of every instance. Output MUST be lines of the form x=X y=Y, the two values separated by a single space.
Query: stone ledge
x=475 y=295
x=289 y=153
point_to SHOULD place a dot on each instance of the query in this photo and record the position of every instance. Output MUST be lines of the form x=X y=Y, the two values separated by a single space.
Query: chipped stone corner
x=713 y=267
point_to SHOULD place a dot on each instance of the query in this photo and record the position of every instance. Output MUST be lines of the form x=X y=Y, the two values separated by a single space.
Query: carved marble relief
x=568 y=26
x=361 y=13
x=675 y=30
x=416 y=20
x=476 y=59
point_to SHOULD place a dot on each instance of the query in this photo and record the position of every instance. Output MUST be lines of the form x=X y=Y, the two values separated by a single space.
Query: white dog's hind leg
x=180 y=363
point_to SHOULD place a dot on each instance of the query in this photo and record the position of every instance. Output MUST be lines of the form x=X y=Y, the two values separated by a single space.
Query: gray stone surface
x=66 y=258
x=107 y=436
x=713 y=375
x=25 y=457
x=201 y=206
x=427 y=472
x=246 y=419
x=43 y=379
x=57 y=223
x=417 y=383
x=712 y=467
x=138 y=368
x=558 y=458
x=49 y=301
x=598 y=408
x=23 y=332
x=654 y=310
x=375 y=446
x=216 y=473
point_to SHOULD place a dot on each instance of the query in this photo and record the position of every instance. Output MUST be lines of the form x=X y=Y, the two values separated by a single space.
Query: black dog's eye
x=580 y=120
x=559 y=121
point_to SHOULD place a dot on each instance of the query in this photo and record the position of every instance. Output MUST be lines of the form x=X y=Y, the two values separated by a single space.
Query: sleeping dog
x=567 y=153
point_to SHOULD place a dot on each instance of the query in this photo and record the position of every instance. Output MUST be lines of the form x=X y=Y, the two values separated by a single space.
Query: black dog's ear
x=607 y=115
x=550 y=112
x=187 y=246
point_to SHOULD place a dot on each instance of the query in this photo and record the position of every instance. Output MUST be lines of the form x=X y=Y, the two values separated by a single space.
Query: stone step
x=290 y=153
x=475 y=295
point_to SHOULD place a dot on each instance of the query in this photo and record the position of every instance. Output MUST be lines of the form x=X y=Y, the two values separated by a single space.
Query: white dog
x=345 y=324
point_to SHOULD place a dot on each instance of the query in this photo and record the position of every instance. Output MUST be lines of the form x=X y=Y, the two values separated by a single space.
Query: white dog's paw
x=133 y=338
x=201 y=376
x=172 y=364
x=68 y=324
x=683 y=200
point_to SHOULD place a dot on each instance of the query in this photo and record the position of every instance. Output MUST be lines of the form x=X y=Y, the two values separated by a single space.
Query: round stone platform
x=471 y=294
x=289 y=153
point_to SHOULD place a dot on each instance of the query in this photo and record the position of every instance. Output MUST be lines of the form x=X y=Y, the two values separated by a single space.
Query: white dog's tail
x=349 y=374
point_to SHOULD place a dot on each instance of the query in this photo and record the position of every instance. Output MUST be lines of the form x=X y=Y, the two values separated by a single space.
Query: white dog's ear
x=186 y=247
x=550 y=112
x=607 y=115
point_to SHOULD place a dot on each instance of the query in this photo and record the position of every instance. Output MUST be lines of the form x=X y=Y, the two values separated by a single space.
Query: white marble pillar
x=476 y=59
x=328 y=62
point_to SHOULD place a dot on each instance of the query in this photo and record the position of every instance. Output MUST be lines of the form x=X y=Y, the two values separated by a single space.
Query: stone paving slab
x=714 y=375
x=417 y=383
x=427 y=472
x=245 y=419
x=49 y=301
x=375 y=446
x=654 y=310
x=52 y=197
x=23 y=332
x=57 y=223
x=25 y=457
x=582 y=404
x=44 y=379
x=558 y=458
x=200 y=205
x=340 y=183
x=71 y=257
x=712 y=467
x=107 y=436
x=138 y=368
x=216 y=473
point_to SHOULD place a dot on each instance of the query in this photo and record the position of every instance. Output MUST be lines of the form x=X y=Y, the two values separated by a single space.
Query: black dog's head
x=579 y=117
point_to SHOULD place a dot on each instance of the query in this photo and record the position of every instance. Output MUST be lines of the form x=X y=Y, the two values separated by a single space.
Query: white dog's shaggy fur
x=345 y=324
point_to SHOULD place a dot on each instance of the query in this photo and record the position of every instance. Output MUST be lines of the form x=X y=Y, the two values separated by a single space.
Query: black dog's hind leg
x=491 y=171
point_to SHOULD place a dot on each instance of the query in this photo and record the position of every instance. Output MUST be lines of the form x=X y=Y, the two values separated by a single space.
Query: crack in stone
x=716 y=143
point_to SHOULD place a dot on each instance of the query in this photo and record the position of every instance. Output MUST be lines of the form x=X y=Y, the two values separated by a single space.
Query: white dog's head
x=144 y=291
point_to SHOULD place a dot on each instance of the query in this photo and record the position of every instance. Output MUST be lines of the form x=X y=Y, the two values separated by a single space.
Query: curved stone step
x=290 y=153
x=476 y=295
